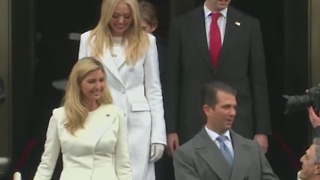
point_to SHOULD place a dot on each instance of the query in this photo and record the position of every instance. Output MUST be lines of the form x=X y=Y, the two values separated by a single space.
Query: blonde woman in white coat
x=130 y=58
x=89 y=131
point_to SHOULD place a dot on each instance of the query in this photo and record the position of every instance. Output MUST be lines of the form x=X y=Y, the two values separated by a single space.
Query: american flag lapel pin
x=237 y=23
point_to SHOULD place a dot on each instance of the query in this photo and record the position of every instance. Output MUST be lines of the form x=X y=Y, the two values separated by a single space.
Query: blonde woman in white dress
x=130 y=59
x=88 y=130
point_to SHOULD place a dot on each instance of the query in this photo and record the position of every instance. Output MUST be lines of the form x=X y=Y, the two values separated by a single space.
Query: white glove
x=156 y=152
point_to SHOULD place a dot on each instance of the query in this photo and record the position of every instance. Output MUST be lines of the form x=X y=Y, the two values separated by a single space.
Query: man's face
x=217 y=5
x=147 y=27
x=220 y=117
x=309 y=170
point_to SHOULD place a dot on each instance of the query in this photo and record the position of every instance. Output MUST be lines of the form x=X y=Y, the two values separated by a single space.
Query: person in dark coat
x=240 y=63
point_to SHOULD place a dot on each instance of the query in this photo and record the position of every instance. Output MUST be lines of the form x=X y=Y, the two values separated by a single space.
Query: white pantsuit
x=99 y=151
x=137 y=90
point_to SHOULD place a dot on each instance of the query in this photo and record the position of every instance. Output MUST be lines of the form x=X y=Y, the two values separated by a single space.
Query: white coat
x=99 y=151
x=137 y=90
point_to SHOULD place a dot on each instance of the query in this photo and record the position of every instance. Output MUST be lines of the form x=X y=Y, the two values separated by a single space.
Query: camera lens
x=295 y=103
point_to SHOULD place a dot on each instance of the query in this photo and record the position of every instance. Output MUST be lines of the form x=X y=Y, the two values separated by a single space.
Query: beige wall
x=314 y=14
x=5 y=71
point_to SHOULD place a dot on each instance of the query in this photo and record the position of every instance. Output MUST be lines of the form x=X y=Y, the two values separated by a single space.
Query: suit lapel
x=210 y=153
x=241 y=157
x=197 y=26
x=111 y=66
x=230 y=37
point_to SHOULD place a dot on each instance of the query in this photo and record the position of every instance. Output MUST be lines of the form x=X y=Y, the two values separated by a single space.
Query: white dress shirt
x=222 y=20
x=213 y=136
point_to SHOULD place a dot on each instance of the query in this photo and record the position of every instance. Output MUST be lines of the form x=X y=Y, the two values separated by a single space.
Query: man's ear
x=206 y=109
x=317 y=169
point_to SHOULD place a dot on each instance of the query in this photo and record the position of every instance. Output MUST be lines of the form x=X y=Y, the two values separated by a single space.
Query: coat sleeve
x=122 y=160
x=172 y=80
x=266 y=170
x=184 y=168
x=51 y=152
x=258 y=79
x=154 y=93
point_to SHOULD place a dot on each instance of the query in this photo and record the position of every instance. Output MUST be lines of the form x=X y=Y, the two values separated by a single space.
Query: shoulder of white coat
x=59 y=114
x=85 y=35
x=151 y=38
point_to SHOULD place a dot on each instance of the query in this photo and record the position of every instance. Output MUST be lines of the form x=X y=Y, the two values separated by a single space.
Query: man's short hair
x=209 y=92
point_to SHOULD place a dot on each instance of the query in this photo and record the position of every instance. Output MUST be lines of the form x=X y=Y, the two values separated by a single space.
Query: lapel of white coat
x=101 y=123
x=107 y=61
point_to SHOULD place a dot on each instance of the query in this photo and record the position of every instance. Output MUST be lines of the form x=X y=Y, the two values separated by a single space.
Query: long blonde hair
x=75 y=111
x=134 y=39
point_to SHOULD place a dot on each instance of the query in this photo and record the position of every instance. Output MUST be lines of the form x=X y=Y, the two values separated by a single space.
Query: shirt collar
x=213 y=135
x=207 y=11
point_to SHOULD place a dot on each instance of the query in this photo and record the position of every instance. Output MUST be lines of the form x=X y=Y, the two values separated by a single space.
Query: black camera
x=298 y=102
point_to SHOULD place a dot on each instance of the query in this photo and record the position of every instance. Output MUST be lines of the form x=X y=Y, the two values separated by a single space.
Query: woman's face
x=121 y=19
x=92 y=86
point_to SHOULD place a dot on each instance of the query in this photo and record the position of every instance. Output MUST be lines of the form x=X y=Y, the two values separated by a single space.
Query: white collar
x=207 y=11
x=213 y=135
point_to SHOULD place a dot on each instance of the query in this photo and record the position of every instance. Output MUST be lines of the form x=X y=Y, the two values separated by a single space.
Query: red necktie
x=215 y=39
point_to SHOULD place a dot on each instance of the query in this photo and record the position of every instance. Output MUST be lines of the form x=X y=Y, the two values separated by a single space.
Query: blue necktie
x=225 y=150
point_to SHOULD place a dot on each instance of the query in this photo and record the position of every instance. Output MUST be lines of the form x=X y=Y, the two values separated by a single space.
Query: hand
x=172 y=143
x=262 y=140
x=314 y=119
x=156 y=152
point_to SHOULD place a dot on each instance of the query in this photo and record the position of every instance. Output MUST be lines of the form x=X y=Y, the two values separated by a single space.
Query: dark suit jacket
x=201 y=159
x=162 y=54
x=241 y=65
x=179 y=7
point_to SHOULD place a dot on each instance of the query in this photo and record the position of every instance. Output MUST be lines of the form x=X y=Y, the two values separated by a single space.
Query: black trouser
x=164 y=168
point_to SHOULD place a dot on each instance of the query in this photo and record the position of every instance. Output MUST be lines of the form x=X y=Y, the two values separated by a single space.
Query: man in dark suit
x=240 y=63
x=217 y=152
x=179 y=7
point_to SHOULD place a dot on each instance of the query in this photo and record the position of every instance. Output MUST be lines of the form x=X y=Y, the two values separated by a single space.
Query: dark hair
x=209 y=92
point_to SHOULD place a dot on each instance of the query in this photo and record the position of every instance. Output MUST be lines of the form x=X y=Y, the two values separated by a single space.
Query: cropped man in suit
x=217 y=152
x=229 y=50
x=310 y=169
